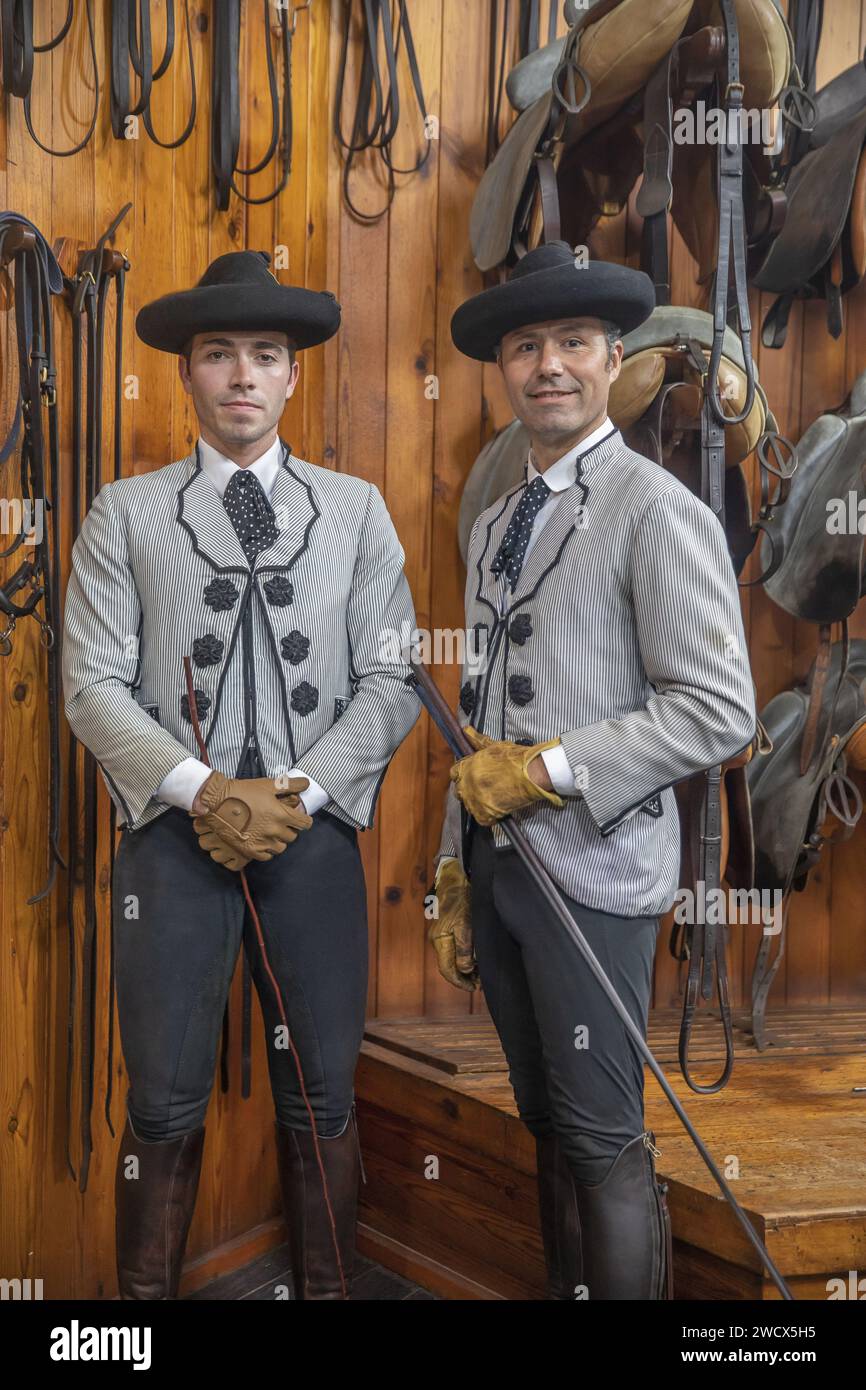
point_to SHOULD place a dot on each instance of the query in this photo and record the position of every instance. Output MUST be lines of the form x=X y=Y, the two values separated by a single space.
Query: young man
x=616 y=665
x=277 y=578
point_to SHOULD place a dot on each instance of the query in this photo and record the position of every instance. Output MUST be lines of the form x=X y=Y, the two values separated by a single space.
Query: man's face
x=239 y=383
x=558 y=377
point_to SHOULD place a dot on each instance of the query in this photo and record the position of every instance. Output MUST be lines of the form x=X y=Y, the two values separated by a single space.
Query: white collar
x=220 y=469
x=560 y=475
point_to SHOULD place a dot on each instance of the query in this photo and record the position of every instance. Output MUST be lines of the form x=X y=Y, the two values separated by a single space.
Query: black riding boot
x=625 y=1228
x=560 y=1223
x=315 y=1264
x=153 y=1212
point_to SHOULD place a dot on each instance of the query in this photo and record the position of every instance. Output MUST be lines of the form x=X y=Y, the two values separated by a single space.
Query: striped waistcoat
x=623 y=638
x=287 y=654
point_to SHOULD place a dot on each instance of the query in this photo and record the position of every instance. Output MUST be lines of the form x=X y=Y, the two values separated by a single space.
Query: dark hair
x=613 y=333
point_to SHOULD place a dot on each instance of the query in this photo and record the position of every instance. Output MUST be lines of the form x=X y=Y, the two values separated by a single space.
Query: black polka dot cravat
x=512 y=552
x=250 y=512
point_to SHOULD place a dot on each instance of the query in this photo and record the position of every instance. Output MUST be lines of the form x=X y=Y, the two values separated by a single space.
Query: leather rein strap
x=225 y=101
x=377 y=111
x=529 y=27
x=131 y=46
x=19 y=48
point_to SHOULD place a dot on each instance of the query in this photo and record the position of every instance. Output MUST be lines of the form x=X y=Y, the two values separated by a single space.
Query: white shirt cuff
x=559 y=771
x=183 y=783
x=315 y=797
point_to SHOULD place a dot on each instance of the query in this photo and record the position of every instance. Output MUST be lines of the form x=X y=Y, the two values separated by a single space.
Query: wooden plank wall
x=365 y=404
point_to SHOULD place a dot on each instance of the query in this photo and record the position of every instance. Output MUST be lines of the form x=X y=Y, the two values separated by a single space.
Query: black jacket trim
x=479 y=597
x=220 y=569
x=277 y=569
x=281 y=675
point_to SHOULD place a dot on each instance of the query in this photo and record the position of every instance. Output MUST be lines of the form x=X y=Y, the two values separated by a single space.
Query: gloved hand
x=248 y=818
x=450 y=934
x=493 y=781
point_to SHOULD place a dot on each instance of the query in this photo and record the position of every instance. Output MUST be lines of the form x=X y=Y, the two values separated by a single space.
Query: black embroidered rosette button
x=520 y=689
x=279 y=591
x=207 y=650
x=520 y=628
x=467 y=698
x=295 y=647
x=221 y=594
x=305 y=698
x=202 y=705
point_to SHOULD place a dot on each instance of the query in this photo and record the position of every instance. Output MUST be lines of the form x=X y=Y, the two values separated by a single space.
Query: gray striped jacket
x=288 y=655
x=624 y=638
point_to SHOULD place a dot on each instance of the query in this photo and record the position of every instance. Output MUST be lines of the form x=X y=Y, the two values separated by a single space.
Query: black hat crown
x=547 y=257
x=239 y=268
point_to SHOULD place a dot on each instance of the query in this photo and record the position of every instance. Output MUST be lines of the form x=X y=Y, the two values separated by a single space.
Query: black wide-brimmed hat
x=238 y=292
x=546 y=285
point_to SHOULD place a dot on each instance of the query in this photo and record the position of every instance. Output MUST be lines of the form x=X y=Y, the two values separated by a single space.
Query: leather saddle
x=600 y=56
x=581 y=105
x=790 y=809
x=820 y=251
x=797 y=812
x=821 y=577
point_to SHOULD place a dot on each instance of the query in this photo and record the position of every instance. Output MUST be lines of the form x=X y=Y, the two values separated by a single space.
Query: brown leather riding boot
x=560 y=1223
x=153 y=1212
x=315 y=1266
x=625 y=1228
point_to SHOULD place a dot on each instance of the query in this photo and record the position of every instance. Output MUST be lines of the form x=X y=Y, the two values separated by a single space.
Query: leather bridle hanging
x=37 y=278
x=529 y=37
x=19 y=48
x=375 y=129
x=131 y=46
x=225 y=101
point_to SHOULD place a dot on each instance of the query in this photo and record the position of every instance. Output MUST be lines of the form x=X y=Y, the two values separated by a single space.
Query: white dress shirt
x=183 y=783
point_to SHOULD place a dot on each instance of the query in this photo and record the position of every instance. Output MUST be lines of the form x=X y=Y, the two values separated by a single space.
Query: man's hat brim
x=307 y=317
x=601 y=290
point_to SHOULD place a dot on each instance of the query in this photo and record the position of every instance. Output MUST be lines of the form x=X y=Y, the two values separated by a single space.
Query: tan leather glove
x=248 y=818
x=450 y=934
x=493 y=781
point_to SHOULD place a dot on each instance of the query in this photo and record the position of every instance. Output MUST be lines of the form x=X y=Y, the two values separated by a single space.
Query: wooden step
x=451 y=1168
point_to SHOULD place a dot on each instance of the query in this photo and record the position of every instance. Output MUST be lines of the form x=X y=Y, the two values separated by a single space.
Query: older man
x=615 y=665
x=277 y=578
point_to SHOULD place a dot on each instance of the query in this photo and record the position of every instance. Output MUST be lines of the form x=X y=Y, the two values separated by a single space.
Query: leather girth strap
x=99 y=269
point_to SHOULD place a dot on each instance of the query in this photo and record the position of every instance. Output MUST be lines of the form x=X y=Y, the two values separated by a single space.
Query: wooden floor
x=264 y=1279
x=450 y=1193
